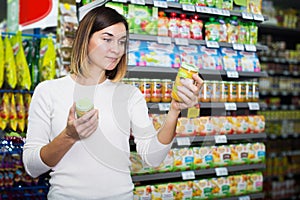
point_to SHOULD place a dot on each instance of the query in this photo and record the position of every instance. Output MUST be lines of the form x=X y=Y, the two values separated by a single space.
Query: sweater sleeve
x=38 y=131
x=145 y=136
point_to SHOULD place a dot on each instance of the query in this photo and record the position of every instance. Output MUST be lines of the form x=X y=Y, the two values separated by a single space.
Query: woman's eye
x=107 y=39
x=123 y=42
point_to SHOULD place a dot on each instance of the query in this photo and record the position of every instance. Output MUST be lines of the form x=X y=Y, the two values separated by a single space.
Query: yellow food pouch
x=1 y=62
x=9 y=65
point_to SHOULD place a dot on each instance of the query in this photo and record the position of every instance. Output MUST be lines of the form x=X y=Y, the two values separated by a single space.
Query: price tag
x=164 y=40
x=230 y=106
x=244 y=198
x=220 y=139
x=164 y=106
x=188 y=7
x=139 y=2
x=253 y=106
x=183 y=141
x=221 y=171
x=181 y=41
x=226 y=12
x=258 y=17
x=212 y=44
x=203 y=9
x=161 y=4
x=238 y=47
x=232 y=74
x=193 y=112
x=250 y=47
x=188 y=175
x=246 y=15
x=120 y=1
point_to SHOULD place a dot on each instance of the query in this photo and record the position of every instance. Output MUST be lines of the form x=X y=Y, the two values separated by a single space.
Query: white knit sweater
x=96 y=167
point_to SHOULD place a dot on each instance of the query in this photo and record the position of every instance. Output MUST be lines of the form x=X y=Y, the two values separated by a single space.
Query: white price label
x=212 y=44
x=164 y=106
x=253 y=106
x=188 y=175
x=181 y=41
x=188 y=7
x=120 y=1
x=164 y=40
x=238 y=47
x=246 y=15
x=250 y=47
x=258 y=17
x=221 y=171
x=161 y=4
x=230 y=106
x=220 y=139
x=139 y=2
x=244 y=198
x=232 y=74
x=203 y=9
x=226 y=12
x=183 y=141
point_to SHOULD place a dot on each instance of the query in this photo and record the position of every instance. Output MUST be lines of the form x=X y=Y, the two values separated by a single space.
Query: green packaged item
x=9 y=65
x=253 y=33
x=212 y=32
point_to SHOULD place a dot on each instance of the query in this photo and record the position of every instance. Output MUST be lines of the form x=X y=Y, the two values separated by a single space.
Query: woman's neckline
x=73 y=78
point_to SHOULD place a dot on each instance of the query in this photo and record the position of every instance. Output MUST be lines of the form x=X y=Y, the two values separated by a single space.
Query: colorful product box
x=231 y=59
x=202 y=157
x=190 y=54
x=142 y=193
x=249 y=62
x=202 y=189
x=183 y=159
x=211 y=58
x=138 y=166
x=221 y=155
x=185 y=127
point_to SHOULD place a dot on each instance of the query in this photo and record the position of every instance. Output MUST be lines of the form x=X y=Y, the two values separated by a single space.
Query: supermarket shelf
x=167 y=40
x=211 y=171
x=279 y=60
x=231 y=137
x=169 y=72
x=246 y=196
x=243 y=105
x=15 y=91
x=278 y=30
x=174 y=5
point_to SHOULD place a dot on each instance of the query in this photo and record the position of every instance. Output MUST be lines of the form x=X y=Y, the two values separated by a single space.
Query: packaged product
x=13 y=123
x=145 y=88
x=185 y=127
x=232 y=91
x=156 y=92
x=20 y=109
x=211 y=58
x=205 y=91
x=220 y=187
x=185 y=71
x=256 y=123
x=190 y=55
x=257 y=152
x=238 y=184
x=221 y=125
x=196 y=27
x=162 y=191
x=203 y=126
x=202 y=157
x=183 y=190
x=10 y=75
x=133 y=53
x=222 y=29
x=166 y=90
x=249 y=62
x=232 y=30
x=4 y=110
x=162 y=24
x=255 y=182
x=253 y=33
x=184 y=27
x=142 y=19
x=138 y=166
x=243 y=33
x=239 y=124
x=239 y=154
x=231 y=59
x=1 y=62
x=142 y=193
x=241 y=91
x=174 y=24
x=212 y=30
x=47 y=59
x=254 y=6
x=183 y=159
x=83 y=106
x=202 y=189
x=221 y=155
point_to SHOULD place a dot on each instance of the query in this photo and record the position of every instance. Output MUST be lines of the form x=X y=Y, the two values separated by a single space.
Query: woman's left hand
x=188 y=92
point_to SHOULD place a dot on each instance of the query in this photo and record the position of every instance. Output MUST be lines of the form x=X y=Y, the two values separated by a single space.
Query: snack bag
x=20 y=108
x=13 y=123
x=9 y=65
x=4 y=110
x=1 y=62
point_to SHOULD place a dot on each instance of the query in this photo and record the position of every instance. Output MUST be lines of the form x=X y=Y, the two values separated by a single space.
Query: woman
x=89 y=155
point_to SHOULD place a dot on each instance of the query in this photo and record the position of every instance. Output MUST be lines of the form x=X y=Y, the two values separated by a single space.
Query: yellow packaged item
x=1 y=62
x=185 y=71
x=9 y=65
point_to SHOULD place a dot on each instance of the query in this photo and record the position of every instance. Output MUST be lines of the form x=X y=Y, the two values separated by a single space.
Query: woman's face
x=107 y=46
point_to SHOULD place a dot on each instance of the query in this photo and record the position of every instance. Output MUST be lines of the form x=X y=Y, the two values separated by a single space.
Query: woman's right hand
x=83 y=127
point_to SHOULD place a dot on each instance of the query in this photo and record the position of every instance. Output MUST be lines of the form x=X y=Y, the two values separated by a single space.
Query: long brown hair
x=95 y=20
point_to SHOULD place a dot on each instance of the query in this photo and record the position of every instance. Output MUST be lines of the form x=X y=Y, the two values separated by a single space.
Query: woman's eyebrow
x=112 y=35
